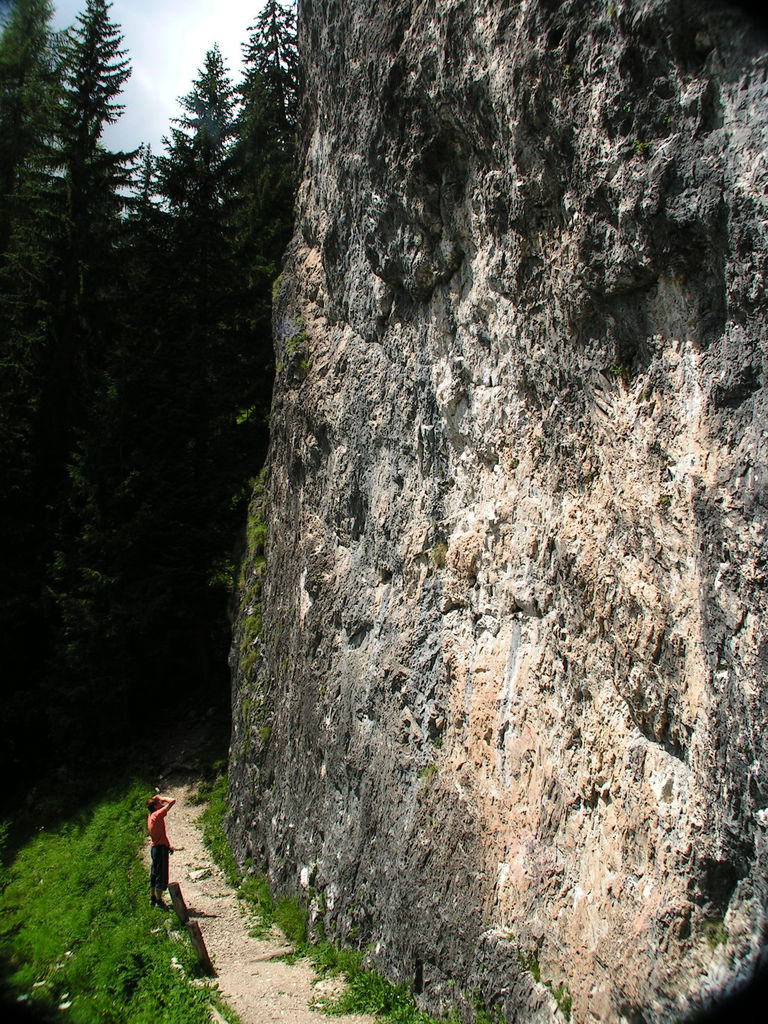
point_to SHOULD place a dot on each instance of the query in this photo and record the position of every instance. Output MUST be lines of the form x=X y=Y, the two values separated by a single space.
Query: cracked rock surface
x=501 y=649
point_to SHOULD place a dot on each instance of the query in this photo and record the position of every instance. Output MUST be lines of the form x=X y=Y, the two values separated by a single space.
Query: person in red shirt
x=158 y=806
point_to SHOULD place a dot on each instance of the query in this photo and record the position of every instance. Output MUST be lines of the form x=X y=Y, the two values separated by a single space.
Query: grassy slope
x=76 y=929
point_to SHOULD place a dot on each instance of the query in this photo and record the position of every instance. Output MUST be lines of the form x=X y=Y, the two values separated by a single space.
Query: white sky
x=166 y=41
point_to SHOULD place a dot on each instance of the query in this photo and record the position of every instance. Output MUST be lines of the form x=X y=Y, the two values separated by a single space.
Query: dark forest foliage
x=135 y=350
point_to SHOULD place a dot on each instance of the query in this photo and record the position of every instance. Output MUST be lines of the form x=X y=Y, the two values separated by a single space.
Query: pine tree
x=196 y=181
x=213 y=361
x=95 y=70
x=272 y=64
x=263 y=158
x=83 y=317
x=28 y=112
x=266 y=135
x=28 y=96
x=61 y=321
x=28 y=220
x=60 y=257
x=80 y=411
x=202 y=373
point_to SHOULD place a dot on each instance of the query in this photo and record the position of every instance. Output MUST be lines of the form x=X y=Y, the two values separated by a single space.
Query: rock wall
x=501 y=653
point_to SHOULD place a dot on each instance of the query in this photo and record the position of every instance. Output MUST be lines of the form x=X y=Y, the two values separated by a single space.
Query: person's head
x=153 y=803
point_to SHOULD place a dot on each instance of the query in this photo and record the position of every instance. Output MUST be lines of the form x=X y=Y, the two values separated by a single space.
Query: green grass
x=486 y=1016
x=254 y=891
x=529 y=962
x=76 y=927
x=214 y=795
x=252 y=888
x=291 y=918
x=366 y=990
x=562 y=998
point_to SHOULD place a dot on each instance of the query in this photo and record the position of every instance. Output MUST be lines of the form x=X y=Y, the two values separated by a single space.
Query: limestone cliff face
x=501 y=654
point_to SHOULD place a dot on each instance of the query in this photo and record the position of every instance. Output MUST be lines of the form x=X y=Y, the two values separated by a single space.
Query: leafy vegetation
x=563 y=999
x=485 y=1016
x=439 y=554
x=366 y=991
x=529 y=962
x=715 y=932
x=77 y=934
x=622 y=372
x=213 y=795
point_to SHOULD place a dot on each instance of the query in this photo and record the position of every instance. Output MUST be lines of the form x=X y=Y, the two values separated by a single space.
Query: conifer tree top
x=271 y=58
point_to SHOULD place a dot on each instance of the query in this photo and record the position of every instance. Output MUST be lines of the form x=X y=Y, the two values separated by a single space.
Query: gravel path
x=254 y=982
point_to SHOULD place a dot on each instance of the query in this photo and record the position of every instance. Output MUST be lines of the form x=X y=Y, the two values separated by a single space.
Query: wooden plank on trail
x=196 y=937
x=177 y=901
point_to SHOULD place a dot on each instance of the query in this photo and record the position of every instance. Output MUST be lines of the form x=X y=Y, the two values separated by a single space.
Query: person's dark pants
x=158 y=872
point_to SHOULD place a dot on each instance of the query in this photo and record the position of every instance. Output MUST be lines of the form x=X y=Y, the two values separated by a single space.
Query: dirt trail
x=258 y=986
